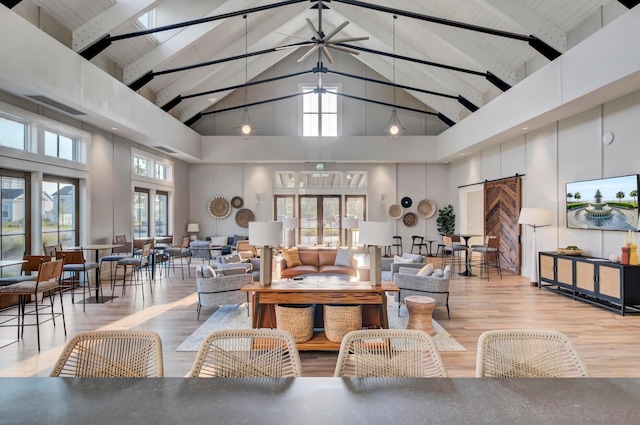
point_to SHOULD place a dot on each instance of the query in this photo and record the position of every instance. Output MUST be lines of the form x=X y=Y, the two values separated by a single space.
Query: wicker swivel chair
x=243 y=353
x=523 y=353
x=111 y=354
x=389 y=353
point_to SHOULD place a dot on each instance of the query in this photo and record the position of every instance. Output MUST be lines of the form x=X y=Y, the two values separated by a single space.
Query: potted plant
x=446 y=220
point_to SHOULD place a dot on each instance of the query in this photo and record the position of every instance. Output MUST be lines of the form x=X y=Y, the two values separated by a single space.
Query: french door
x=320 y=219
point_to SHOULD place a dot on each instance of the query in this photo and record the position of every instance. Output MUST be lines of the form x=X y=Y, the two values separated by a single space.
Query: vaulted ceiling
x=451 y=69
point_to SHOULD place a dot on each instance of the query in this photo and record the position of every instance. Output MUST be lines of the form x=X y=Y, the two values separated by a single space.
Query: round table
x=420 y=309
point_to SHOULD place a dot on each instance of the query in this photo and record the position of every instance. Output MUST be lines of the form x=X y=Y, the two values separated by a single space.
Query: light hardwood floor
x=608 y=343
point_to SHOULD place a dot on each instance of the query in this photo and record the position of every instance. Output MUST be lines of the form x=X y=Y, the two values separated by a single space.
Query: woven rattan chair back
x=389 y=353
x=524 y=353
x=111 y=354
x=247 y=353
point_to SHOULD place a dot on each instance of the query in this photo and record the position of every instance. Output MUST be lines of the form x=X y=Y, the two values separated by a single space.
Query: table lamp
x=289 y=224
x=193 y=228
x=349 y=223
x=376 y=234
x=535 y=217
x=266 y=234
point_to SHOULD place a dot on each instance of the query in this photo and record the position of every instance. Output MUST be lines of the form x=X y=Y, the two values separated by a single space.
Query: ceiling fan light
x=394 y=128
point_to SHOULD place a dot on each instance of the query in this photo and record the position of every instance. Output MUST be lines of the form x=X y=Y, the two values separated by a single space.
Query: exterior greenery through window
x=161 y=208
x=59 y=211
x=356 y=206
x=14 y=234
x=320 y=112
x=60 y=146
x=13 y=134
x=320 y=219
x=141 y=213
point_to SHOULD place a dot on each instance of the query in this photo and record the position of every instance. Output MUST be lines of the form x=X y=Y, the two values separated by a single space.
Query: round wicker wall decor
x=219 y=206
x=243 y=217
x=426 y=208
x=395 y=211
x=410 y=219
x=237 y=202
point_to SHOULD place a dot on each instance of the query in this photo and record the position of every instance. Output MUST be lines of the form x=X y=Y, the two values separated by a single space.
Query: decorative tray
x=564 y=251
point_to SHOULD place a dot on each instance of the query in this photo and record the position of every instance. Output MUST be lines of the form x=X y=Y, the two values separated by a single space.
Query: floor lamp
x=266 y=234
x=376 y=234
x=193 y=228
x=349 y=223
x=535 y=217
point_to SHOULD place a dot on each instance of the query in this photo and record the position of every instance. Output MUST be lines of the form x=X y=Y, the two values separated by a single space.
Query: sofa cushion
x=426 y=270
x=298 y=270
x=231 y=259
x=333 y=269
x=415 y=258
x=291 y=257
x=344 y=257
x=326 y=257
x=218 y=240
x=437 y=273
x=237 y=238
x=398 y=259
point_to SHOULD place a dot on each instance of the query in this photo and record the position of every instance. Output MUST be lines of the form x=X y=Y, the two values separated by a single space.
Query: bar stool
x=453 y=247
x=490 y=255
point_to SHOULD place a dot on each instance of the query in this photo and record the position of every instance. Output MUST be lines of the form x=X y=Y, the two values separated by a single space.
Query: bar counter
x=266 y=401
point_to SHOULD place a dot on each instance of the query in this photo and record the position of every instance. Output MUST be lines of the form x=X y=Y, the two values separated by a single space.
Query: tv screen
x=603 y=204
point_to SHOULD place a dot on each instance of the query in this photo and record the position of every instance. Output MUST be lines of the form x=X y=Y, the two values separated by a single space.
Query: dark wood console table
x=591 y=279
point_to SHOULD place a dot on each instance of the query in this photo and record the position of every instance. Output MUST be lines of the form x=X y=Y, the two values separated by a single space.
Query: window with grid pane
x=320 y=111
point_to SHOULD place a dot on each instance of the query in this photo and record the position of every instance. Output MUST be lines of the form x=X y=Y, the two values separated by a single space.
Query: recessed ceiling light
x=114 y=128
x=212 y=99
x=525 y=128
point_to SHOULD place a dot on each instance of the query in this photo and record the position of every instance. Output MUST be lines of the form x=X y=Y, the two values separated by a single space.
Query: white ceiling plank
x=264 y=34
x=182 y=40
x=528 y=21
x=123 y=12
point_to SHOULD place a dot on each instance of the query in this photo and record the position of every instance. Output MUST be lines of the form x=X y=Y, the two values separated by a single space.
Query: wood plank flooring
x=608 y=343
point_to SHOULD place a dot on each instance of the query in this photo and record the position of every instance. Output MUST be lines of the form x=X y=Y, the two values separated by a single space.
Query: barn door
x=501 y=210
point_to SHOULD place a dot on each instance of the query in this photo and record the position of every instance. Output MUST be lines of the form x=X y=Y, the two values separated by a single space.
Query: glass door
x=320 y=220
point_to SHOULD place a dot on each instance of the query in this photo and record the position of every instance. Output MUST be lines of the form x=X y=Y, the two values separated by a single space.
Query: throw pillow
x=208 y=271
x=344 y=257
x=218 y=240
x=397 y=259
x=416 y=258
x=237 y=238
x=437 y=273
x=291 y=257
x=426 y=270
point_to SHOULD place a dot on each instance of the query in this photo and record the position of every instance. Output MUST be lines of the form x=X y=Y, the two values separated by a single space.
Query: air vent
x=55 y=104
x=167 y=150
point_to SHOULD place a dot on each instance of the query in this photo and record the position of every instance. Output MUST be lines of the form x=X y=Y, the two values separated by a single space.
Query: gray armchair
x=201 y=250
x=215 y=291
x=389 y=268
x=412 y=284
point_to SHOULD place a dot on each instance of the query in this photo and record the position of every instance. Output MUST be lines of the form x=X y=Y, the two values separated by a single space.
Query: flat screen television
x=603 y=204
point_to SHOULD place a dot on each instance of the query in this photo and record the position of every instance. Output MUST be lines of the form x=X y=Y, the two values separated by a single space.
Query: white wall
x=568 y=150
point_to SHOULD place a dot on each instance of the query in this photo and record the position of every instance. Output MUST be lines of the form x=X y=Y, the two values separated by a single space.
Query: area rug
x=235 y=317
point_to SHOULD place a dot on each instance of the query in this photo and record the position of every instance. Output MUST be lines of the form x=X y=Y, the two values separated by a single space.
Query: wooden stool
x=420 y=309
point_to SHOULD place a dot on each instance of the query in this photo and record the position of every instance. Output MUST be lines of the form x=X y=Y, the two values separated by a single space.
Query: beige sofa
x=316 y=261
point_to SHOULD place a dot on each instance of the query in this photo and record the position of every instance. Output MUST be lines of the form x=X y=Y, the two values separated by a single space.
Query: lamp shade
x=193 y=227
x=350 y=223
x=535 y=217
x=290 y=223
x=378 y=233
x=265 y=233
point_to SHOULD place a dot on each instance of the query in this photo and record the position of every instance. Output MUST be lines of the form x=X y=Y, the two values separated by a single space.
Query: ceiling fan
x=322 y=42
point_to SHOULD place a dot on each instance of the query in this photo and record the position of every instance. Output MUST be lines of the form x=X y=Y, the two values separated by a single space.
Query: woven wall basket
x=296 y=319
x=426 y=208
x=219 y=206
x=339 y=320
x=243 y=217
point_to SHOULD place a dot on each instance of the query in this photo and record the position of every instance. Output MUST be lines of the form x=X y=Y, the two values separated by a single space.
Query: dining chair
x=50 y=250
x=454 y=249
x=418 y=241
x=242 y=353
x=111 y=354
x=76 y=266
x=527 y=353
x=389 y=353
x=47 y=282
x=182 y=253
x=137 y=265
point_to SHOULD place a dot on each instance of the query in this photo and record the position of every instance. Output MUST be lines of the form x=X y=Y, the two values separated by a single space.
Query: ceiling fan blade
x=315 y=32
x=309 y=52
x=291 y=35
x=350 y=39
x=335 y=31
x=295 y=46
x=327 y=54
x=343 y=49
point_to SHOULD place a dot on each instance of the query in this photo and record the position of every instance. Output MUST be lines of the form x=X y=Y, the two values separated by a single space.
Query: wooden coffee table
x=319 y=290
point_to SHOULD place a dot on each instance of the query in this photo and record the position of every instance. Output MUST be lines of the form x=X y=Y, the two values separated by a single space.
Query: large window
x=320 y=111
x=59 y=211
x=161 y=215
x=141 y=213
x=152 y=167
x=320 y=220
x=60 y=146
x=13 y=134
x=356 y=206
x=14 y=233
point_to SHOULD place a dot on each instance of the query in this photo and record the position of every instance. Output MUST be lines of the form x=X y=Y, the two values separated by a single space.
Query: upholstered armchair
x=391 y=267
x=434 y=286
x=245 y=250
x=221 y=287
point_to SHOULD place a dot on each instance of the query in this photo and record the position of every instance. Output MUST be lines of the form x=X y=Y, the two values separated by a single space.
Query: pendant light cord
x=246 y=60
x=394 y=60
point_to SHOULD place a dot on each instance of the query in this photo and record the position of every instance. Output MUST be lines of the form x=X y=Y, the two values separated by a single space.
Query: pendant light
x=394 y=129
x=245 y=129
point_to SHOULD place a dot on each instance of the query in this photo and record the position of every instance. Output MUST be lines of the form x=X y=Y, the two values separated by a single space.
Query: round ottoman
x=420 y=309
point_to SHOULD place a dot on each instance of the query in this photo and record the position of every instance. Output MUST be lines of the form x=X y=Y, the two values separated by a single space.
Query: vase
x=624 y=258
x=633 y=254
